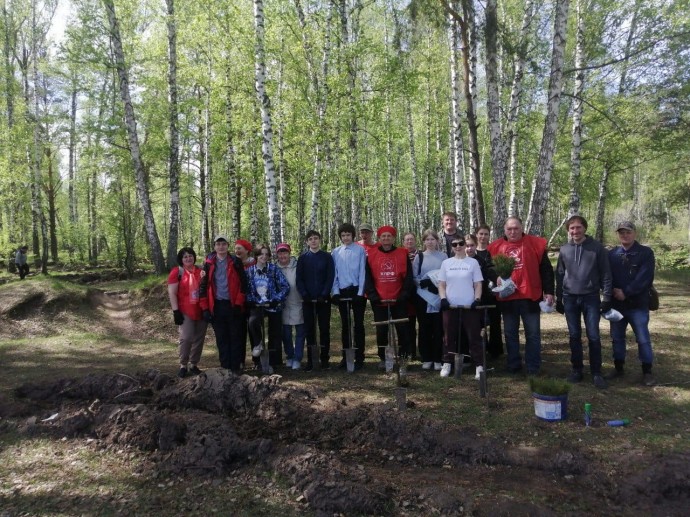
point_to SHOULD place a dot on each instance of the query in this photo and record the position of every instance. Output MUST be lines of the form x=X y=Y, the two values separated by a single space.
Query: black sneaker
x=358 y=366
x=182 y=373
x=308 y=367
x=575 y=376
x=599 y=382
x=613 y=374
x=325 y=365
x=648 y=379
x=342 y=365
x=194 y=370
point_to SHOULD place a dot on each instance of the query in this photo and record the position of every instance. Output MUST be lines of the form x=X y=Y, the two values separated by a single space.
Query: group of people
x=444 y=290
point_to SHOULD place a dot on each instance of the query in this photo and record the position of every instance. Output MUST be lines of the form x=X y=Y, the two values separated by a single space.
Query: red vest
x=388 y=271
x=527 y=252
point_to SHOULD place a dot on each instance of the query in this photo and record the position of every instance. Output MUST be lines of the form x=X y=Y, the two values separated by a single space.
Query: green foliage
x=503 y=264
x=672 y=257
x=549 y=386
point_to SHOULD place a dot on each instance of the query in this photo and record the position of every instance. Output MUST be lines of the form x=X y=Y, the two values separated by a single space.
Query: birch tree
x=266 y=124
x=174 y=154
x=133 y=139
x=541 y=185
x=578 y=91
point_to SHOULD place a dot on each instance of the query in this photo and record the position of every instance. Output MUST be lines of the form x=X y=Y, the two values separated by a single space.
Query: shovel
x=350 y=350
x=393 y=360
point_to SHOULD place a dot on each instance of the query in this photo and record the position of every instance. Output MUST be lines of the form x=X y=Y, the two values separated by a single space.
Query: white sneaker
x=256 y=351
x=288 y=363
x=480 y=369
x=438 y=367
x=296 y=365
x=445 y=370
x=427 y=366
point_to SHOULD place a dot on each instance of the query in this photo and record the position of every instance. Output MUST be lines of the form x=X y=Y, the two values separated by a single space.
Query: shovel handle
x=388 y=322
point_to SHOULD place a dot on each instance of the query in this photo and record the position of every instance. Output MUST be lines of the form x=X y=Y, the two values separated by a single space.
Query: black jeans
x=228 y=324
x=321 y=313
x=397 y=311
x=274 y=334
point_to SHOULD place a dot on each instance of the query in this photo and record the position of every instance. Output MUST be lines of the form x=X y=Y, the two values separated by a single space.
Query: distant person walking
x=632 y=269
x=20 y=262
x=184 y=283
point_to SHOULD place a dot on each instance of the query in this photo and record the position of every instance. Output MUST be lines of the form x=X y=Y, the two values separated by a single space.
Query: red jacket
x=529 y=253
x=237 y=283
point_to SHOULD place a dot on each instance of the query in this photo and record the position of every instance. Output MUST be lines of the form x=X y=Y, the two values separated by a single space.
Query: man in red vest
x=389 y=283
x=533 y=277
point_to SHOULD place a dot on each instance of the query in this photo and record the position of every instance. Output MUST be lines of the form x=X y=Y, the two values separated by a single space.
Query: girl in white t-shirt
x=460 y=287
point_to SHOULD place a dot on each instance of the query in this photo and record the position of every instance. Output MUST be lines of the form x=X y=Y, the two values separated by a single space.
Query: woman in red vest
x=183 y=292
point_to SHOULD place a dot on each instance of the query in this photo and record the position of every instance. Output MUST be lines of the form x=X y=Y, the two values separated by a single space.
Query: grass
x=72 y=477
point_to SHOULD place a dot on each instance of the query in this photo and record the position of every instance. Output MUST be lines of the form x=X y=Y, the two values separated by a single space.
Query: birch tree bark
x=578 y=91
x=541 y=185
x=498 y=149
x=458 y=148
x=72 y=150
x=513 y=112
x=266 y=125
x=174 y=153
x=230 y=161
x=133 y=140
x=319 y=88
x=465 y=23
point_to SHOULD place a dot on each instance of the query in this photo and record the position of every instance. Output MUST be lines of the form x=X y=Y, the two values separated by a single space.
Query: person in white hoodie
x=582 y=273
x=292 y=311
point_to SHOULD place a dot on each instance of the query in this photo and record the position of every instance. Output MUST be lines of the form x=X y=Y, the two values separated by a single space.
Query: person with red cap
x=293 y=315
x=389 y=283
x=221 y=297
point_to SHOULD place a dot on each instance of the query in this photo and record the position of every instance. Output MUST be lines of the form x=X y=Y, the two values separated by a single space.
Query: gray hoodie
x=583 y=269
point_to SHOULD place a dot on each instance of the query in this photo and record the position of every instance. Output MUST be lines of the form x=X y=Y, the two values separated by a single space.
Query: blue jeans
x=587 y=306
x=528 y=311
x=639 y=321
x=293 y=352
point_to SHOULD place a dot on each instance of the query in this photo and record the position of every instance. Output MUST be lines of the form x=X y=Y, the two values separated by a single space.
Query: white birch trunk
x=542 y=182
x=266 y=125
x=513 y=112
x=174 y=153
x=230 y=165
x=498 y=150
x=578 y=90
x=457 y=147
x=601 y=204
x=72 y=154
x=133 y=140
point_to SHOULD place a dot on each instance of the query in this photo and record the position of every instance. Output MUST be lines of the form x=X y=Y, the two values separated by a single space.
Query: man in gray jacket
x=582 y=272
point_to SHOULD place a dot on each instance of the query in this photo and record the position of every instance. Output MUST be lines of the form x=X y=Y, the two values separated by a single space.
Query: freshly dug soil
x=343 y=459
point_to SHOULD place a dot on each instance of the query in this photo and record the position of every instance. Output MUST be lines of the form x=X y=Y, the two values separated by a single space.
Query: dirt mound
x=341 y=458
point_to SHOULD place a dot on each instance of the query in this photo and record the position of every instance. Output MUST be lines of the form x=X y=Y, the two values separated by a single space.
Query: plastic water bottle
x=588 y=414
x=618 y=423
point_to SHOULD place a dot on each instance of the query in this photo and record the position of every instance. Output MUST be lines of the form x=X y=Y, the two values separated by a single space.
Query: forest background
x=129 y=129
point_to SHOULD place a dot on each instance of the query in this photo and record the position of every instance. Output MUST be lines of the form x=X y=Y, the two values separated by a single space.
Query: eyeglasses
x=457 y=243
